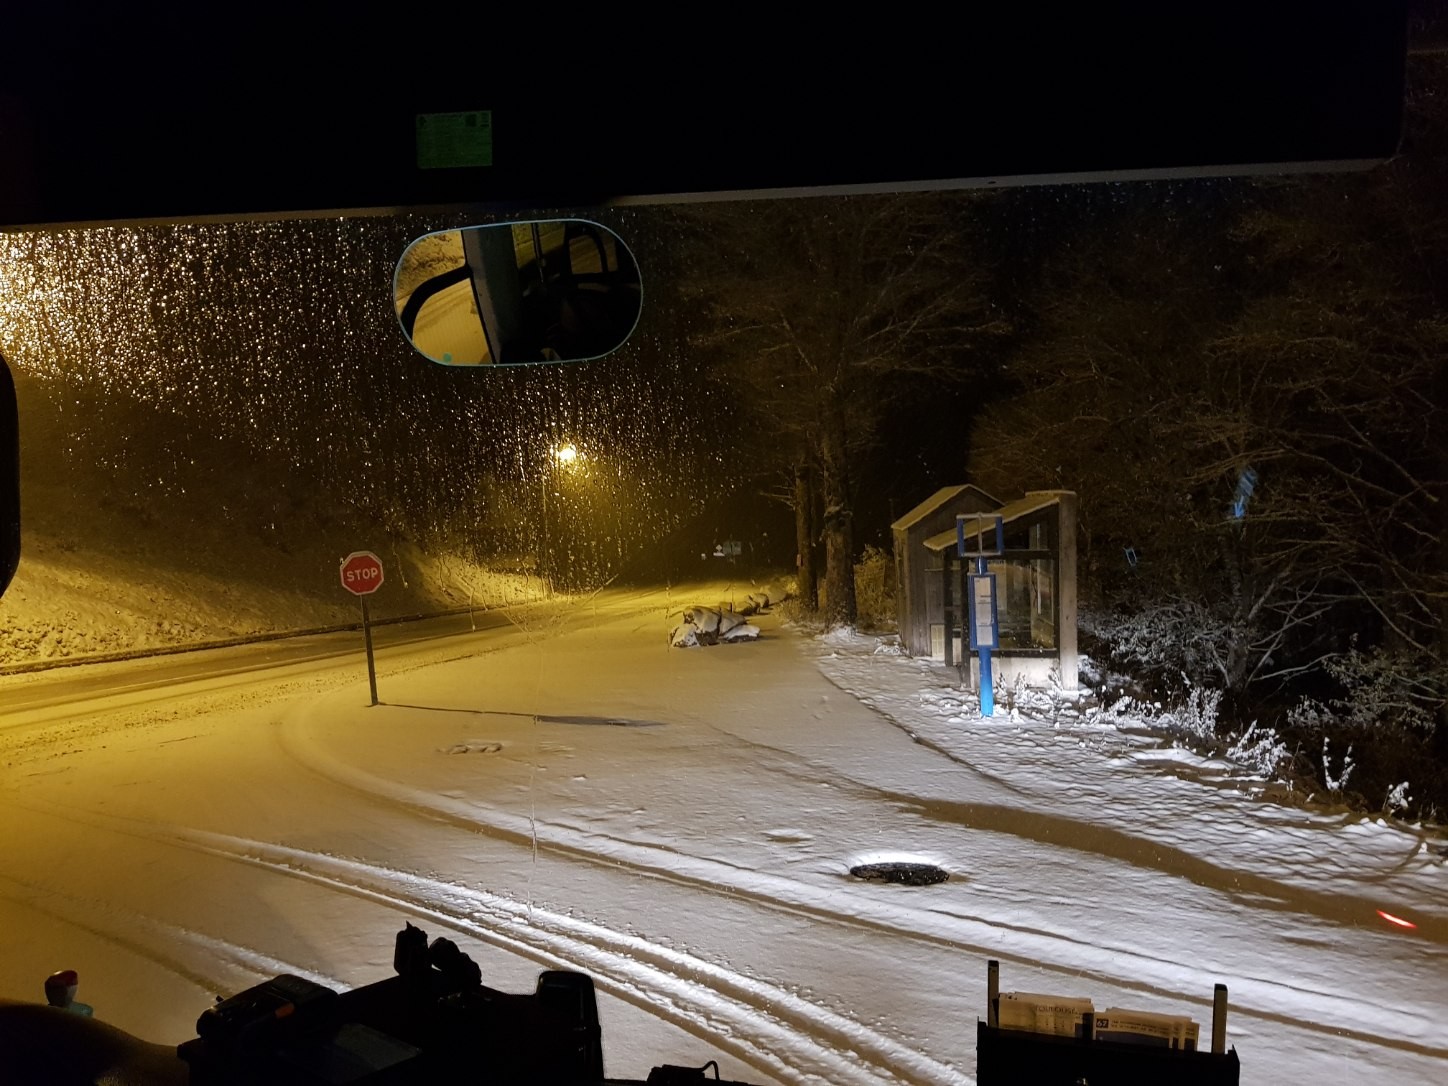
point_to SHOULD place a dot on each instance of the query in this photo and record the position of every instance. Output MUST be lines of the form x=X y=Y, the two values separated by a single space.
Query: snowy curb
x=247 y=639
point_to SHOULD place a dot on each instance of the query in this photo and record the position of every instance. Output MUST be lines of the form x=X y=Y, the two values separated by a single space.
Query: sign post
x=985 y=538
x=984 y=630
x=362 y=575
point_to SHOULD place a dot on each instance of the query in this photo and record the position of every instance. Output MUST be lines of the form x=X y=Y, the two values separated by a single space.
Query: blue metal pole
x=987 y=691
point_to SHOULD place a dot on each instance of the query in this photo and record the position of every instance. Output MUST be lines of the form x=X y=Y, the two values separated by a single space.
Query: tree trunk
x=806 y=534
x=1440 y=730
x=840 y=609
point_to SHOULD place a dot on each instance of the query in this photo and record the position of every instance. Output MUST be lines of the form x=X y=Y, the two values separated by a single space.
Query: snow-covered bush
x=1193 y=720
x=1311 y=716
x=1338 y=783
x=1125 y=710
x=1034 y=702
x=1179 y=637
x=1196 y=718
x=875 y=591
x=1398 y=801
x=1015 y=697
x=1394 y=689
x=1379 y=691
x=1262 y=751
x=1377 y=756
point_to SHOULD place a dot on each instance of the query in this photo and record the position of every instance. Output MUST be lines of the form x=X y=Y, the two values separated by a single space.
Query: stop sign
x=361 y=573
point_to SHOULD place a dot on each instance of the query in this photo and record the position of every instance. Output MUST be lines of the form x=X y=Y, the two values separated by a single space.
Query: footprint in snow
x=789 y=837
x=472 y=746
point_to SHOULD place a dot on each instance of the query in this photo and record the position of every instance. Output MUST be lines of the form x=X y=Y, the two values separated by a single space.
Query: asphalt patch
x=906 y=874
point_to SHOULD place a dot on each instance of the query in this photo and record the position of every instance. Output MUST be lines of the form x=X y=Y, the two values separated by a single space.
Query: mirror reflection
x=512 y=294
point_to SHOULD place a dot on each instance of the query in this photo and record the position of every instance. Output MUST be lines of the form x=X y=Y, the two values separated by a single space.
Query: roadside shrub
x=1196 y=718
x=797 y=612
x=1193 y=720
x=875 y=591
x=1393 y=689
x=1397 y=801
x=1358 y=755
x=1336 y=784
x=1371 y=734
x=1158 y=642
x=1262 y=751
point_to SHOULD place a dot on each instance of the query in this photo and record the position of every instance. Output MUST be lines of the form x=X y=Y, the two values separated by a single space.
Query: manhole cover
x=907 y=874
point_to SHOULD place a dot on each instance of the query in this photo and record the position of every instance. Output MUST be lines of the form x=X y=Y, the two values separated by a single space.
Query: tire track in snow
x=1321 y=1012
x=764 y=1024
x=767 y=1026
x=85 y=914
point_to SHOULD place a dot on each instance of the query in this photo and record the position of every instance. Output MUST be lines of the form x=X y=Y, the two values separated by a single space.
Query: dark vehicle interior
x=559 y=291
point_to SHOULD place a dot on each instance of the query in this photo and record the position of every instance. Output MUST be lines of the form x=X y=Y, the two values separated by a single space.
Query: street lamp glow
x=565 y=454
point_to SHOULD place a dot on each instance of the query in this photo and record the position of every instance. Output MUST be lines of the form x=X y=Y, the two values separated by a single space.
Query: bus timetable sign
x=361 y=573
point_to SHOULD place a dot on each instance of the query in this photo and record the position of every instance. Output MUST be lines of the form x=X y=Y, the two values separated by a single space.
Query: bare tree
x=1341 y=408
x=1253 y=402
x=821 y=318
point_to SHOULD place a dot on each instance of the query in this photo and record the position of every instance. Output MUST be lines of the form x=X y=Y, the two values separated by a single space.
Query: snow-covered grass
x=1380 y=703
x=1261 y=751
x=70 y=602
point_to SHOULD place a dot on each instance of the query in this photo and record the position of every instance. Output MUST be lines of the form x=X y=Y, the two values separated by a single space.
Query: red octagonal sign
x=361 y=573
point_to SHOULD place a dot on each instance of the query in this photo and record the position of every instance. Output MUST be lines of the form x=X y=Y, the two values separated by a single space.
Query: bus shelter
x=1035 y=592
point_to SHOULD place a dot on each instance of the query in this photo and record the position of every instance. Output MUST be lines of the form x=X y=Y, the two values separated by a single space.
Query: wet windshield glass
x=675 y=656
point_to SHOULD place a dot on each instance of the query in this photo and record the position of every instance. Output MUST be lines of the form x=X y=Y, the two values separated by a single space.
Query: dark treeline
x=1245 y=380
x=1248 y=384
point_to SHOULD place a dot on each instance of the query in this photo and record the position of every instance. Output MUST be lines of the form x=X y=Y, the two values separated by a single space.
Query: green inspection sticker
x=449 y=140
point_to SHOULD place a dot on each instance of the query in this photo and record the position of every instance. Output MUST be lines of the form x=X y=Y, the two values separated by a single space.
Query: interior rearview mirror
x=516 y=294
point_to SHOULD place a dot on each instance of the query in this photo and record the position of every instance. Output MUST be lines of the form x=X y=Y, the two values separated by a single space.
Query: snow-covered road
x=681 y=824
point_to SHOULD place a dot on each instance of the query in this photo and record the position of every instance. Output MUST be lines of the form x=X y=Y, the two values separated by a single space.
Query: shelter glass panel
x=1026 y=602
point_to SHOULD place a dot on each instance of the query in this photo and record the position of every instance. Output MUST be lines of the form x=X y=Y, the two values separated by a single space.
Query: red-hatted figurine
x=60 y=992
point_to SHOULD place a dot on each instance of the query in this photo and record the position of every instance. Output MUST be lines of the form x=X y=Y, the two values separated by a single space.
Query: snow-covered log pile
x=711 y=625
